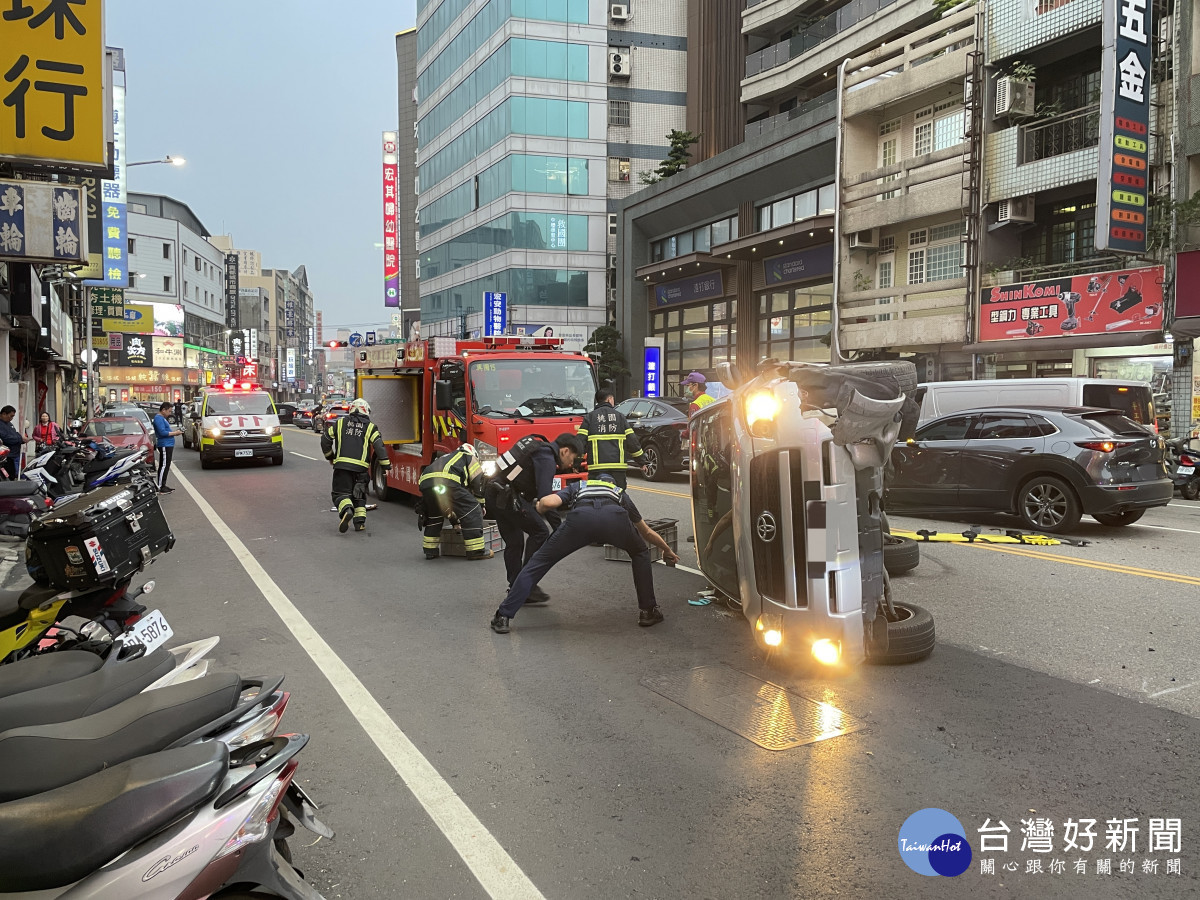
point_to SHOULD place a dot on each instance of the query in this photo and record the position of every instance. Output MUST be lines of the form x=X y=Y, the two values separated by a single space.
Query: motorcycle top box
x=100 y=537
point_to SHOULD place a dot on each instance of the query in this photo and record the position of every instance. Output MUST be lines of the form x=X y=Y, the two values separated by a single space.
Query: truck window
x=712 y=501
x=1133 y=400
x=453 y=373
x=532 y=387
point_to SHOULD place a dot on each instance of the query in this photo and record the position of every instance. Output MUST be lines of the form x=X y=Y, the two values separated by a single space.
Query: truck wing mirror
x=442 y=396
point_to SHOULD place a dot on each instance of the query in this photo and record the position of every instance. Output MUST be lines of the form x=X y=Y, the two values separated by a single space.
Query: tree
x=604 y=346
x=677 y=158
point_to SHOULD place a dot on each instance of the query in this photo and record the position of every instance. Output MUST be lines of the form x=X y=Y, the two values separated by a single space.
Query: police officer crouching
x=524 y=475
x=599 y=511
x=348 y=446
x=453 y=485
x=609 y=438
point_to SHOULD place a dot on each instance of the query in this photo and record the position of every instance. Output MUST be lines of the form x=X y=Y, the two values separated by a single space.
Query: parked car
x=123 y=431
x=191 y=424
x=128 y=409
x=661 y=426
x=1047 y=465
x=330 y=414
x=302 y=415
x=286 y=411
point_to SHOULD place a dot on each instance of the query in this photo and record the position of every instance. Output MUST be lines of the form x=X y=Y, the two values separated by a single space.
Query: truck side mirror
x=442 y=397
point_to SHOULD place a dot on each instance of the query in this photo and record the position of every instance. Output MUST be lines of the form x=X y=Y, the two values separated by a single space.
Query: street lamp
x=171 y=160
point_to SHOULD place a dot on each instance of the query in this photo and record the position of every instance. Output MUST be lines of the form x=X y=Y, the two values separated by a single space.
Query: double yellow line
x=1106 y=567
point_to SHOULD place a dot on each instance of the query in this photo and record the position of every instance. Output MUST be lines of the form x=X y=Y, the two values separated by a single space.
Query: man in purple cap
x=695 y=388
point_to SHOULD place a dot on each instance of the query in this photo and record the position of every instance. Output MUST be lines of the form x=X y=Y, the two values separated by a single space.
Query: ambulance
x=237 y=420
x=493 y=391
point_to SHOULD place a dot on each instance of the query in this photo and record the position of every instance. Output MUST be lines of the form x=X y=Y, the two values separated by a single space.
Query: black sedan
x=328 y=415
x=661 y=426
x=1047 y=465
x=286 y=412
x=302 y=415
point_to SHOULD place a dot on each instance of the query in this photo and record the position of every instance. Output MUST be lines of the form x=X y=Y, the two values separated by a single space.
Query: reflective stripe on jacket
x=460 y=467
x=699 y=403
x=609 y=437
x=349 y=443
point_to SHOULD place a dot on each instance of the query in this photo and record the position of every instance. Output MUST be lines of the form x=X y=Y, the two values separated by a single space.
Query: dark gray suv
x=1047 y=465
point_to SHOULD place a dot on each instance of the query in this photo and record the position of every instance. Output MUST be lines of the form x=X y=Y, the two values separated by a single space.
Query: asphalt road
x=453 y=762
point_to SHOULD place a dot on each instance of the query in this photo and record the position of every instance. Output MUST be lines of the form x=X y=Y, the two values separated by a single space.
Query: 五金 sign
x=52 y=77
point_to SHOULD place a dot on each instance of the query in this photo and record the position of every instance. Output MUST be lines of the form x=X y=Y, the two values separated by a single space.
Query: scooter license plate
x=243 y=453
x=1185 y=470
x=151 y=631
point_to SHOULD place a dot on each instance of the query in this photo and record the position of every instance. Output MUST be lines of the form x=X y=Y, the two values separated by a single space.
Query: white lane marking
x=1182 y=687
x=1168 y=528
x=496 y=871
x=302 y=456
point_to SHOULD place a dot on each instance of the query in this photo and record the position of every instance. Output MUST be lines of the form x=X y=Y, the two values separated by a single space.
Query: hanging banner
x=1122 y=191
x=1125 y=301
x=42 y=222
x=391 y=223
x=232 y=316
x=114 y=232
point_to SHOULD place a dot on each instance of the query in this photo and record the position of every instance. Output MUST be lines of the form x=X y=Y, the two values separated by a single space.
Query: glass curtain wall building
x=511 y=172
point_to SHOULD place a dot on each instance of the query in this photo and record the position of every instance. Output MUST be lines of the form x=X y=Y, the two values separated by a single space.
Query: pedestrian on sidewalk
x=164 y=443
x=12 y=439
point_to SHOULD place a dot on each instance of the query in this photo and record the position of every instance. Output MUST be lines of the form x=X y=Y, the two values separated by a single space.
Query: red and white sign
x=1125 y=301
x=391 y=223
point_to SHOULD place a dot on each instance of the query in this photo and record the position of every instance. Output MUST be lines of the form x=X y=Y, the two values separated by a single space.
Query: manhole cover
x=770 y=716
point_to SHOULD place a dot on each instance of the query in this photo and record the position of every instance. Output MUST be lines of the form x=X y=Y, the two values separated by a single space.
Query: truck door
x=447 y=422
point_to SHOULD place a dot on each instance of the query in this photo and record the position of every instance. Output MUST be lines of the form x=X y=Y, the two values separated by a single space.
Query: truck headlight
x=270 y=429
x=761 y=407
x=214 y=432
x=827 y=651
x=770 y=629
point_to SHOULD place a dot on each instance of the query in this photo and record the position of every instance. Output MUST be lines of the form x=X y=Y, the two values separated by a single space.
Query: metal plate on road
x=764 y=713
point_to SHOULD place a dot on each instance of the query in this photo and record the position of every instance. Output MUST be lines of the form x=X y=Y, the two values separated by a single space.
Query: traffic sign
x=356 y=339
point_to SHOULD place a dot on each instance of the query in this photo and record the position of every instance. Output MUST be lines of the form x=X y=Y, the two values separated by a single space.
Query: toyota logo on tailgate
x=766 y=528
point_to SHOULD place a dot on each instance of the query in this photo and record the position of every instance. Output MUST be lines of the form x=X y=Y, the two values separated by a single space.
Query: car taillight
x=1101 y=446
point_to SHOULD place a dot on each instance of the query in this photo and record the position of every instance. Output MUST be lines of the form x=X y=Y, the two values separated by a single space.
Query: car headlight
x=214 y=432
x=485 y=451
x=761 y=407
x=270 y=429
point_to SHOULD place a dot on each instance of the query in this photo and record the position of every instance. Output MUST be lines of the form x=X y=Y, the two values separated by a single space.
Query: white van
x=1134 y=398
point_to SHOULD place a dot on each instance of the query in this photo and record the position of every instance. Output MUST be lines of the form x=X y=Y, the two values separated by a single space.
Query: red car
x=123 y=431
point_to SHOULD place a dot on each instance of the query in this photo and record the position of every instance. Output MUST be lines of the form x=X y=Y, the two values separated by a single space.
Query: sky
x=278 y=106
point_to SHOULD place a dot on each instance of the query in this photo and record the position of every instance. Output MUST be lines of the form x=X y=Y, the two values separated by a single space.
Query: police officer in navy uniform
x=452 y=485
x=348 y=446
x=599 y=511
x=609 y=438
x=525 y=474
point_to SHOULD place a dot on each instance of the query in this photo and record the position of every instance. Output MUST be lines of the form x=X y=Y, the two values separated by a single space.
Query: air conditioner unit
x=612 y=260
x=1015 y=209
x=612 y=295
x=1013 y=97
x=864 y=240
x=619 y=12
x=619 y=63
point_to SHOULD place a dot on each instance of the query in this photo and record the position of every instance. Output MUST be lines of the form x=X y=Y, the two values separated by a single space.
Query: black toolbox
x=100 y=537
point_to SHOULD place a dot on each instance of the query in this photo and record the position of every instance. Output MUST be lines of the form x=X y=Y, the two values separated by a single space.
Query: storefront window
x=794 y=323
x=696 y=337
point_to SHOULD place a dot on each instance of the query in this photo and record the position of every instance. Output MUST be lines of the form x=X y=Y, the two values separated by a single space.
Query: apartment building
x=533 y=120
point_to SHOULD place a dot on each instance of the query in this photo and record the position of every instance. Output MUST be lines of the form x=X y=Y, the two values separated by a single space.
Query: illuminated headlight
x=485 y=451
x=770 y=630
x=827 y=651
x=270 y=429
x=489 y=467
x=761 y=407
x=214 y=432
x=772 y=637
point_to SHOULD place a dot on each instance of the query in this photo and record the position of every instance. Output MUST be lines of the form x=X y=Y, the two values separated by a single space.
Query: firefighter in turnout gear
x=609 y=438
x=600 y=511
x=348 y=445
x=452 y=488
x=524 y=475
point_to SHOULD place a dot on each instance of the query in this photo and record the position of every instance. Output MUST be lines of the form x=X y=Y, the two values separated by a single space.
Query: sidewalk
x=13 y=576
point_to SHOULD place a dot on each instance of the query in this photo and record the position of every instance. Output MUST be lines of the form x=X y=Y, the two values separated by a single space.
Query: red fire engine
x=494 y=391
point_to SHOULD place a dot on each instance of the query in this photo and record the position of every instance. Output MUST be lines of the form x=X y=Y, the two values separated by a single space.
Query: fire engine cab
x=494 y=390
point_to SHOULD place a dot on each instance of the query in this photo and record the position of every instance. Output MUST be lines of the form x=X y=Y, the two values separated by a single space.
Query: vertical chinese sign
x=52 y=77
x=1121 y=183
x=233 y=319
x=391 y=223
x=495 y=312
x=114 y=238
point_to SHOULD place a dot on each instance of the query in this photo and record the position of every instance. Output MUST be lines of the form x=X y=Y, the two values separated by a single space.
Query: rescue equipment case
x=101 y=537
x=668 y=530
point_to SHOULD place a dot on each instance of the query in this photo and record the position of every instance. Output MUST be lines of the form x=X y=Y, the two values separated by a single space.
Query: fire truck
x=494 y=391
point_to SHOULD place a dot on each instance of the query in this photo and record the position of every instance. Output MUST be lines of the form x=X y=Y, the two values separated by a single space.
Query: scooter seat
x=47 y=669
x=115 y=681
x=57 y=838
x=15 y=604
x=44 y=757
x=19 y=488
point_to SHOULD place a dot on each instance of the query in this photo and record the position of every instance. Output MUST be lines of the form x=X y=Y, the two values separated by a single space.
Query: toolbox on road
x=668 y=530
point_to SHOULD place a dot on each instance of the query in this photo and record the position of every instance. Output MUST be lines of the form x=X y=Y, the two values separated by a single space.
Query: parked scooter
x=1182 y=461
x=68 y=468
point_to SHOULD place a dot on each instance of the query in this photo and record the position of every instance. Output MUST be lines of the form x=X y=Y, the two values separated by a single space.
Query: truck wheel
x=910 y=638
x=205 y=462
x=652 y=459
x=379 y=485
x=900 y=554
x=904 y=373
x=1046 y=503
x=277 y=460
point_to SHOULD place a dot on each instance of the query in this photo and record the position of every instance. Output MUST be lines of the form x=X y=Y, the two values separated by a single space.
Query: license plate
x=556 y=484
x=151 y=631
x=1185 y=470
x=241 y=453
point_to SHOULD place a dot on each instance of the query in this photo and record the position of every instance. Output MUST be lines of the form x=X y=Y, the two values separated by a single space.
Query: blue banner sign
x=798 y=265
x=495 y=312
x=705 y=286
x=652 y=372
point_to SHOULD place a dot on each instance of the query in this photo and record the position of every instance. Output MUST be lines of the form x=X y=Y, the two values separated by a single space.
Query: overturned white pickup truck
x=787 y=483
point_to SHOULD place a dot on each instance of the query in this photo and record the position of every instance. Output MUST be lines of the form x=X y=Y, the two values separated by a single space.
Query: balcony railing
x=762 y=126
x=815 y=34
x=1076 y=130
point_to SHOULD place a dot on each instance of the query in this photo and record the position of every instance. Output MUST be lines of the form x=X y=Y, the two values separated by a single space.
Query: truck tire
x=910 y=638
x=379 y=485
x=902 y=372
x=205 y=462
x=900 y=554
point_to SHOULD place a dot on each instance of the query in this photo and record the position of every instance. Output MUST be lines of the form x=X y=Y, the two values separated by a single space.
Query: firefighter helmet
x=360 y=406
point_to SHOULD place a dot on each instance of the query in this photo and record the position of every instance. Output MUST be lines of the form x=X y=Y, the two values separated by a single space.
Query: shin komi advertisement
x=1129 y=300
